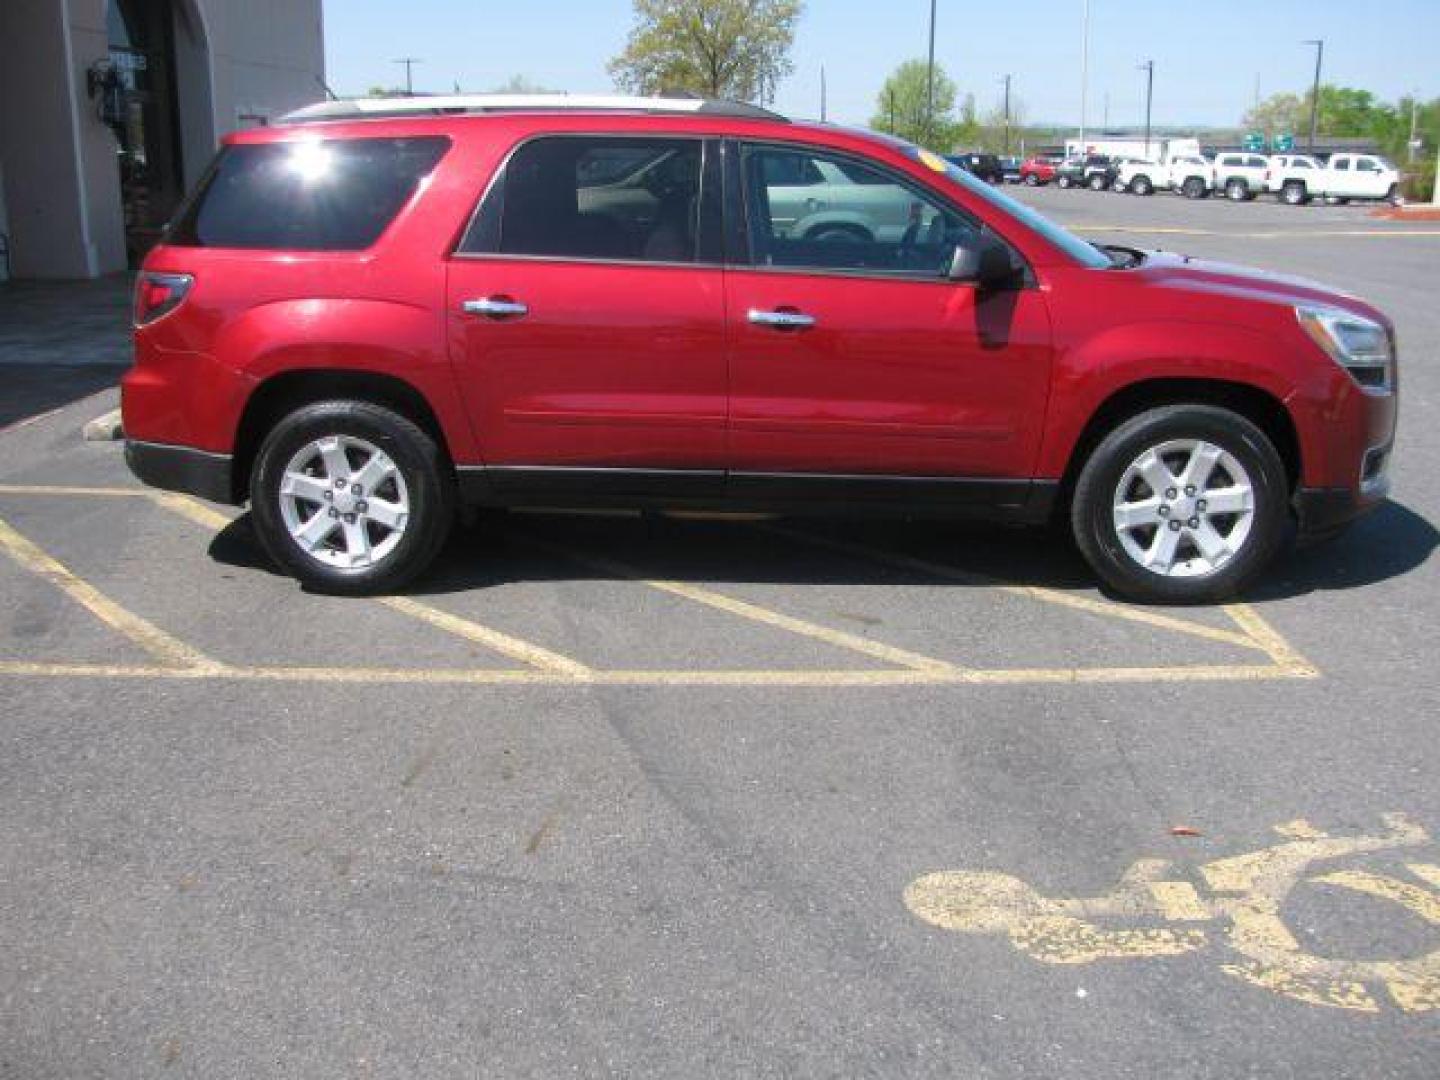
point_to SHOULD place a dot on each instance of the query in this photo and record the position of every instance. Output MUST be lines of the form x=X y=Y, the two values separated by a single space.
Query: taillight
x=158 y=294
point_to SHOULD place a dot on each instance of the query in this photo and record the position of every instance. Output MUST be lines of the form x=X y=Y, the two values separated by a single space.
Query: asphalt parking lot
x=638 y=796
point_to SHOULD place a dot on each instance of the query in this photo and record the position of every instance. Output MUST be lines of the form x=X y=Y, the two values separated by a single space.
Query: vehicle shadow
x=518 y=547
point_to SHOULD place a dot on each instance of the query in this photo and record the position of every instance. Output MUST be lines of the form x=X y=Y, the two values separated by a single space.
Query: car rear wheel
x=1063 y=181
x=1394 y=196
x=1097 y=182
x=1236 y=190
x=351 y=498
x=1031 y=180
x=1181 y=504
x=1141 y=185
x=1193 y=188
x=1294 y=193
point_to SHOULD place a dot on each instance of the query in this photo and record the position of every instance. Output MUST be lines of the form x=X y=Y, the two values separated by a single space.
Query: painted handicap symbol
x=1244 y=896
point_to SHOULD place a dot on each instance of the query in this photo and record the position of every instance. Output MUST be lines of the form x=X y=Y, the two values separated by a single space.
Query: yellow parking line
x=1033 y=592
x=1268 y=638
x=516 y=649
x=147 y=635
x=56 y=489
x=755 y=613
x=819 y=678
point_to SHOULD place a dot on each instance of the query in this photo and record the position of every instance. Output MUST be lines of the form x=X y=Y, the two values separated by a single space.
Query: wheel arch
x=1259 y=406
x=283 y=393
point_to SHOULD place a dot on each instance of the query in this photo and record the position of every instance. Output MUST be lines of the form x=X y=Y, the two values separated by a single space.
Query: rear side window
x=600 y=197
x=316 y=195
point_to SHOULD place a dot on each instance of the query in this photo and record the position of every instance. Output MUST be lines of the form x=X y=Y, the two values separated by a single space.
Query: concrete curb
x=103 y=428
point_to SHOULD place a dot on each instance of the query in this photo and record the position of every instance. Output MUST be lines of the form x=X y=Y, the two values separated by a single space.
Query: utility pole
x=930 y=77
x=1315 y=93
x=1149 y=68
x=1007 y=115
x=1084 y=69
x=822 y=93
x=409 y=62
x=890 y=97
x=1410 y=147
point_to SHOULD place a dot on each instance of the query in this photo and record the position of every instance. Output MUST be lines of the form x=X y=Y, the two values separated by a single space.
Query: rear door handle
x=495 y=307
x=783 y=319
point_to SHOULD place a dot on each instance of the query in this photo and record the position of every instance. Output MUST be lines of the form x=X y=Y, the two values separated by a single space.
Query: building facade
x=111 y=109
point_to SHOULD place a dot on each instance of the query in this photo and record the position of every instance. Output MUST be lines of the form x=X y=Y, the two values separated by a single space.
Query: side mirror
x=987 y=263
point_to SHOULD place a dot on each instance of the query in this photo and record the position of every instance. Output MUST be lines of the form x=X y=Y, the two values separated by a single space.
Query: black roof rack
x=463 y=104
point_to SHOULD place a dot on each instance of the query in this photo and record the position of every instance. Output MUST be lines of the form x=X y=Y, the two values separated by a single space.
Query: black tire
x=1063 y=181
x=421 y=463
x=1141 y=185
x=1193 y=188
x=1031 y=180
x=1097 y=182
x=1294 y=193
x=1237 y=190
x=1394 y=196
x=1092 y=509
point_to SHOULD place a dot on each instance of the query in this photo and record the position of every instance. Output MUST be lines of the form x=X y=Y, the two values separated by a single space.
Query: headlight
x=1360 y=345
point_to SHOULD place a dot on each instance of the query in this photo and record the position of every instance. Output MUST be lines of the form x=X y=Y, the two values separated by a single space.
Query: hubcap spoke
x=1202 y=463
x=374 y=472
x=337 y=465
x=303 y=486
x=386 y=514
x=357 y=542
x=1137 y=514
x=1231 y=500
x=1155 y=472
x=317 y=530
x=1161 y=555
x=1211 y=544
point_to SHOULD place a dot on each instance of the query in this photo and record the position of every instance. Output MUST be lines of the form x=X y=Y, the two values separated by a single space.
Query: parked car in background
x=986 y=166
x=1039 y=169
x=1193 y=176
x=1240 y=176
x=1010 y=167
x=1298 y=178
x=375 y=313
x=1095 y=171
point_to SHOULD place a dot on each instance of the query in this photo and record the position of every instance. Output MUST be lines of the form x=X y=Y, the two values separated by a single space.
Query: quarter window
x=594 y=197
x=860 y=219
x=1342 y=164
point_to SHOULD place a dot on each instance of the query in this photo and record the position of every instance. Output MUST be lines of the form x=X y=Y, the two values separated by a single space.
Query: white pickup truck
x=1298 y=178
x=1189 y=174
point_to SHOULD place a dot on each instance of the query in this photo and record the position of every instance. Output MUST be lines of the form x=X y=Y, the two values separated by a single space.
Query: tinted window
x=865 y=219
x=594 y=197
x=1343 y=164
x=336 y=195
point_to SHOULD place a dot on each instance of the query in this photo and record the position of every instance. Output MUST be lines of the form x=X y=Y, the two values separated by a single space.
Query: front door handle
x=782 y=319
x=495 y=307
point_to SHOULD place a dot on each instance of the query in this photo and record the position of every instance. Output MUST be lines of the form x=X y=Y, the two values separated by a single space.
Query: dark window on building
x=334 y=195
x=594 y=197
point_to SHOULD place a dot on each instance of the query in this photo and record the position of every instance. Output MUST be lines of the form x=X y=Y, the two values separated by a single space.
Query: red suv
x=378 y=311
x=1039 y=169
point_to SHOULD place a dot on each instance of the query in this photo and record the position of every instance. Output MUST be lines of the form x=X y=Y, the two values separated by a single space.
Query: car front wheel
x=351 y=498
x=1181 y=504
x=1237 y=190
x=1193 y=188
x=1097 y=182
x=1294 y=193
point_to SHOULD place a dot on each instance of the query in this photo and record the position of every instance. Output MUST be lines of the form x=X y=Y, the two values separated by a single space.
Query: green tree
x=519 y=84
x=902 y=108
x=1279 y=114
x=738 y=49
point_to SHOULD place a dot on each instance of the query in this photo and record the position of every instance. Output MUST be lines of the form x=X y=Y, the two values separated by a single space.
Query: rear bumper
x=182 y=468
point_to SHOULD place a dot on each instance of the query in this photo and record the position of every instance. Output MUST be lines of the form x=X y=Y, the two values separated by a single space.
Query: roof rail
x=374 y=108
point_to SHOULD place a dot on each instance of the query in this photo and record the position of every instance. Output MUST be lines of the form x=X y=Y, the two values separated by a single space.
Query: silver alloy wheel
x=344 y=502
x=1184 y=508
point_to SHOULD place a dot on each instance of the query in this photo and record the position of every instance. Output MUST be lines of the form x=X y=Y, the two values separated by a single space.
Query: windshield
x=1082 y=252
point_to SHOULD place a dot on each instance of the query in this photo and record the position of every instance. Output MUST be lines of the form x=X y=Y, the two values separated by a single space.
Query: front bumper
x=182 y=468
x=1322 y=513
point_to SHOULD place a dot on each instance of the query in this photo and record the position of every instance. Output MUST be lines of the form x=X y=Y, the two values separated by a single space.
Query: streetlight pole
x=822 y=93
x=1319 y=44
x=1007 y=115
x=409 y=62
x=1149 y=68
x=930 y=77
x=1084 y=69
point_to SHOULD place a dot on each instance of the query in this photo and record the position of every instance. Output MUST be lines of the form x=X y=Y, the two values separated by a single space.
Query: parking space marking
x=745 y=610
x=178 y=660
x=1043 y=594
x=524 y=651
x=1245 y=905
x=164 y=648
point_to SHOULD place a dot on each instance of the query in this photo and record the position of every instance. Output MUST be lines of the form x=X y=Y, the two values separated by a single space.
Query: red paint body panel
x=631 y=365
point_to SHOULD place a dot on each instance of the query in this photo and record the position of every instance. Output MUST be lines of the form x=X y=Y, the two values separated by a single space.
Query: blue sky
x=1207 y=55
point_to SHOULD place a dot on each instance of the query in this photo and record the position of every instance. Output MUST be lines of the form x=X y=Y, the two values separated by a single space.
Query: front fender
x=1089 y=372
